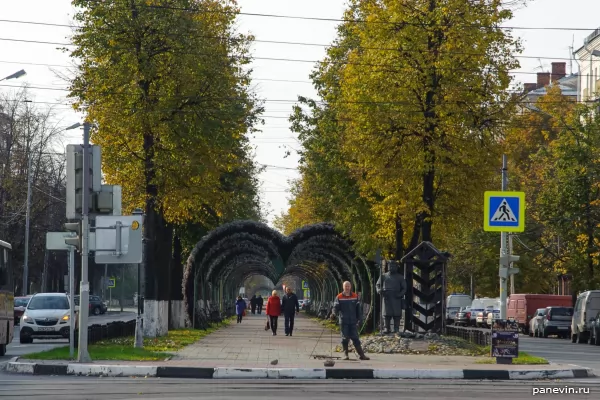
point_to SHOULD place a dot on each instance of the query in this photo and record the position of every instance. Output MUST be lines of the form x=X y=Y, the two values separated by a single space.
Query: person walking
x=273 y=311
x=253 y=304
x=349 y=312
x=291 y=308
x=259 y=303
x=240 y=308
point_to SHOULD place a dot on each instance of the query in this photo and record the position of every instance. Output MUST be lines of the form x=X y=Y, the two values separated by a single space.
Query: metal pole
x=381 y=327
x=27 y=217
x=84 y=298
x=510 y=251
x=503 y=247
x=72 y=297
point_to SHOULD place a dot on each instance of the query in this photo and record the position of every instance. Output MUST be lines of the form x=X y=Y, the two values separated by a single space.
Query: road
x=26 y=387
x=18 y=349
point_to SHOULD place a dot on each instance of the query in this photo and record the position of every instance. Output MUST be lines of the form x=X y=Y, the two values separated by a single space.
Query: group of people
x=346 y=308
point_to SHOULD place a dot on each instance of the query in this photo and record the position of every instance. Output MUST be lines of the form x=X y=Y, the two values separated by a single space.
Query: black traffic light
x=74 y=240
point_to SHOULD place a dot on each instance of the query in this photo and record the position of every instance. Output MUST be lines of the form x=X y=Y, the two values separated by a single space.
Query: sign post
x=505 y=341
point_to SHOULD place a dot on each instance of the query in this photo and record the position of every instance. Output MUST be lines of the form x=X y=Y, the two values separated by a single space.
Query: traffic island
x=121 y=349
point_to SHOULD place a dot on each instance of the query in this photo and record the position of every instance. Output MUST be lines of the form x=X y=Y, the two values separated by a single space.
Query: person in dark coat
x=273 y=311
x=291 y=308
x=259 y=303
x=253 y=304
x=348 y=309
x=240 y=307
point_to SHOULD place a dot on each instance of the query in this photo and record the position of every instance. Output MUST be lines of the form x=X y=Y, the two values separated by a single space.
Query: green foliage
x=169 y=92
x=407 y=118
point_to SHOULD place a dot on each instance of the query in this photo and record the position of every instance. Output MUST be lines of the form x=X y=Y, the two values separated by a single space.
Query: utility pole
x=84 y=298
x=139 y=323
x=27 y=218
x=510 y=251
x=503 y=244
x=72 y=298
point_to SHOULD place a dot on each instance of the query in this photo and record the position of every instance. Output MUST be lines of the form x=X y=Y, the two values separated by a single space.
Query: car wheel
x=2 y=349
x=581 y=338
x=25 y=340
x=97 y=311
x=545 y=333
x=573 y=338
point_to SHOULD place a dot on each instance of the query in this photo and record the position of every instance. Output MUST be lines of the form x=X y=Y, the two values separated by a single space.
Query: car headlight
x=65 y=318
x=27 y=319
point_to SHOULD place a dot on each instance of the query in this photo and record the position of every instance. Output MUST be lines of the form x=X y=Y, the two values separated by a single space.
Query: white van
x=454 y=303
x=480 y=305
x=586 y=308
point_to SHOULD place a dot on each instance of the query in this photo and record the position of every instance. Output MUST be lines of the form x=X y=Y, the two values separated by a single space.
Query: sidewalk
x=246 y=350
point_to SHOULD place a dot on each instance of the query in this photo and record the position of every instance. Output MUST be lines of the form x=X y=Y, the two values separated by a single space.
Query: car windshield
x=562 y=312
x=21 y=302
x=48 y=303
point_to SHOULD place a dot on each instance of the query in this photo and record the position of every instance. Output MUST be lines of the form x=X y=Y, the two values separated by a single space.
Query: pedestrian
x=259 y=303
x=273 y=311
x=349 y=312
x=253 y=304
x=291 y=308
x=240 y=309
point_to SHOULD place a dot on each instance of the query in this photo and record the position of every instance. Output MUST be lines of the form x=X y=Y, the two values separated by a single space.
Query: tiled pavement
x=248 y=342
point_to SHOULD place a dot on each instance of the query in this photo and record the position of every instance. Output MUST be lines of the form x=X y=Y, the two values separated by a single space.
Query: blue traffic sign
x=111 y=283
x=504 y=212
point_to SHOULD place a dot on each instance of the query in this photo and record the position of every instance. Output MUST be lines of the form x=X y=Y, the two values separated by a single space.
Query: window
x=48 y=303
x=578 y=304
x=561 y=312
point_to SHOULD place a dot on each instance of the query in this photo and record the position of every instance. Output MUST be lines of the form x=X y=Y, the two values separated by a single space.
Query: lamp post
x=16 y=75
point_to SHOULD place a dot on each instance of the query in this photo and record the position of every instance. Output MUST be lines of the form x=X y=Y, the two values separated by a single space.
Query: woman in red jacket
x=273 y=311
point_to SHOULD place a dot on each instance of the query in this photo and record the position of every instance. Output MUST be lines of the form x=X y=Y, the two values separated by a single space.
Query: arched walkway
x=223 y=259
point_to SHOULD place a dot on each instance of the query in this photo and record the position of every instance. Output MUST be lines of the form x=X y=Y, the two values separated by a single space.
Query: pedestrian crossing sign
x=504 y=212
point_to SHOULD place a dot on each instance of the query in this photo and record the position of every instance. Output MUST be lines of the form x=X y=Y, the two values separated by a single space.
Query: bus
x=7 y=318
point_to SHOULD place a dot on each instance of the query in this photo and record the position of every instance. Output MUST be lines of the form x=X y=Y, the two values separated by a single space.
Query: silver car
x=536 y=322
x=557 y=321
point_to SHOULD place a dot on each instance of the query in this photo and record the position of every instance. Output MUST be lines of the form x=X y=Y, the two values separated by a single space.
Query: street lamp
x=74 y=126
x=16 y=75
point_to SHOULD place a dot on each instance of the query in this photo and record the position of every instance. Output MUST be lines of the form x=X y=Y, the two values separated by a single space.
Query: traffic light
x=506 y=261
x=75 y=175
x=74 y=240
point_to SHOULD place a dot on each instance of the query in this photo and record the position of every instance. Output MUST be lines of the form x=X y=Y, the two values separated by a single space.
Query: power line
x=308 y=44
x=312 y=18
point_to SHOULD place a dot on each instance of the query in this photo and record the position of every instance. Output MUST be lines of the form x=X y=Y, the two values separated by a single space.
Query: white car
x=46 y=315
x=537 y=321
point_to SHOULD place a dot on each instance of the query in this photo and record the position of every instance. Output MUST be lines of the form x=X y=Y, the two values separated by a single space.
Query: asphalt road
x=18 y=349
x=26 y=387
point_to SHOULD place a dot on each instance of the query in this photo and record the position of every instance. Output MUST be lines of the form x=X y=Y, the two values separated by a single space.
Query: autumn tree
x=414 y=99
x=165 y=83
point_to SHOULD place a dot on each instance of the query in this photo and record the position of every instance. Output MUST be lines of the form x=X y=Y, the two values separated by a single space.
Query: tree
x=411 y=116
x=27 y=132
x=166 y=85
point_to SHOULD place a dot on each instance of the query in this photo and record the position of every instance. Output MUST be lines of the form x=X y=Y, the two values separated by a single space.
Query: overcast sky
x=278 y=82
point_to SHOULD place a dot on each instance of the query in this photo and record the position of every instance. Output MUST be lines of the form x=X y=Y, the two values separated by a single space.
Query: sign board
x=307 y=293
x=304 y=285
x=504 y=212
x=505 y=339
x=127 y=250
x=56 y=240
x=111 y=283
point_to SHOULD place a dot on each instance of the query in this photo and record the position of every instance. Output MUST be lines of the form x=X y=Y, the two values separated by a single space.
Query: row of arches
x=220 y=263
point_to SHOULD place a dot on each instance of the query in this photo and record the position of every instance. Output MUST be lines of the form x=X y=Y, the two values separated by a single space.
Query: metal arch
x=230 y=254
x=329 y=260
x=322 y=249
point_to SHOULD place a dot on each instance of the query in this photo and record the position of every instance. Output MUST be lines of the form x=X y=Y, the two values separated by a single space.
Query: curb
x=288 y=373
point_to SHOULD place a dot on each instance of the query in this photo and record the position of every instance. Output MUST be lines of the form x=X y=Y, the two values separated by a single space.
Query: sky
x=277 y=81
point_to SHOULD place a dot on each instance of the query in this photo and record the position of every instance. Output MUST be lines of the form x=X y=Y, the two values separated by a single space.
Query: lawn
x=523 y=359
x=122 y=349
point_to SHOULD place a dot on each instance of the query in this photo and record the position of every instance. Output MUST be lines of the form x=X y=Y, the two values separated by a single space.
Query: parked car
x=96 y=305
x=480 y=305
x=586 y=308
x=536 y=321
x=46 y=315
x=595 y=330
x=522 y=307
x=557 y=321
x=454 y=303
x=463 y=317
x=19 y=307
x=482 y=316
